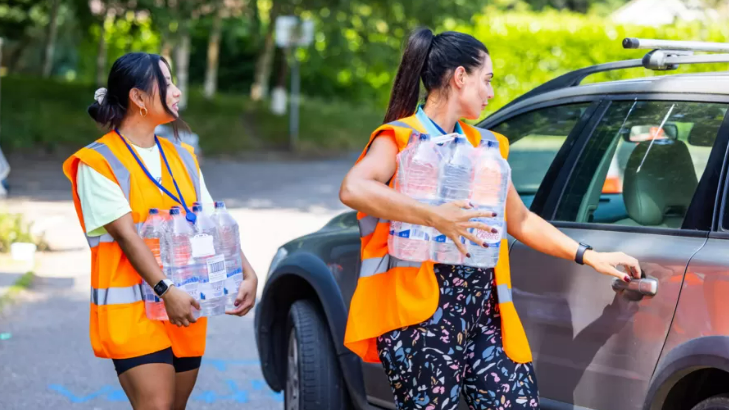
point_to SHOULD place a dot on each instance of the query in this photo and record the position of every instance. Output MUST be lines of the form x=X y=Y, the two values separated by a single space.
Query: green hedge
x=46 y=114
x=529 y=49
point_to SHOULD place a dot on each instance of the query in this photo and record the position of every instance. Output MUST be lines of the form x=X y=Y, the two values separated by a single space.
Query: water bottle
x=153 y=234
x=490 y=188
x=209 y=263
x=177 y=258
x=230 y=247
x=454 y=184
x=418 y=179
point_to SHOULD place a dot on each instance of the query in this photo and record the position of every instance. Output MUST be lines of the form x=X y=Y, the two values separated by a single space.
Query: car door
x=633 y=183
x=537 y=136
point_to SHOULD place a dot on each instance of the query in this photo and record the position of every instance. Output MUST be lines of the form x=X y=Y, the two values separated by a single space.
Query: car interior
x=656 y=168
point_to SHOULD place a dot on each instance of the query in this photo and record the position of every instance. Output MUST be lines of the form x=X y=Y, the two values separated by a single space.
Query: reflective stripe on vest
x=121 y=173
x=503 y=292
x=367 y=225
x=374 y=266
x=116 y=296
x=94 y=241
x=189 y=162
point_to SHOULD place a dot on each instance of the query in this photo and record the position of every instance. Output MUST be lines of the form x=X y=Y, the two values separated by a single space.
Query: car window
x=642 y=164
x=535 y=138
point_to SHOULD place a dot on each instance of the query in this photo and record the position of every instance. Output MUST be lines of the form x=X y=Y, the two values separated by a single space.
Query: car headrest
x=663 y=185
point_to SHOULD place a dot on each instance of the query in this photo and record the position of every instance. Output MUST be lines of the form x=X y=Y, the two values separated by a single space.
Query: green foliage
x=47 y=114
x=12 y=230
x=530 y=48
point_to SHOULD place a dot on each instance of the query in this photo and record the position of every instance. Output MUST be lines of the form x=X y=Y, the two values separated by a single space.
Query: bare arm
x=125 y=234
x=538 y=234
x=365 y=189
x=247 y=293
x=177 y=303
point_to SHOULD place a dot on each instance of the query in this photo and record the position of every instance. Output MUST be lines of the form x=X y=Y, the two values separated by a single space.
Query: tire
x=313 y=377
x=714 y=403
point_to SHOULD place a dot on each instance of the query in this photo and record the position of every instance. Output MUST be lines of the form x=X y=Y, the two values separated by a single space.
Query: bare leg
x=150 y=386
x=184 y=383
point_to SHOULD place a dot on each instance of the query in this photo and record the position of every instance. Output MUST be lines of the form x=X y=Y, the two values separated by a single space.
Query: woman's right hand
x=453 y=220
x=179 y=306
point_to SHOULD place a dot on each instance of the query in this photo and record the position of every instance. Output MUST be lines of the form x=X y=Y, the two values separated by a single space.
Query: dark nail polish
x=495 y=214
x=485 y=245
x=494 y=230
x=627 y=279
x=468 y=255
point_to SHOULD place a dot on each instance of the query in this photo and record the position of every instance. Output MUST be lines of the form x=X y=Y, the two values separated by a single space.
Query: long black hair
x=132 y=70
x=433 y=59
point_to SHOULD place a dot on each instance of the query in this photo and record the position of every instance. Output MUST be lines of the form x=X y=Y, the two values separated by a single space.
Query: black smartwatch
x=162 y=287
x=581 y=252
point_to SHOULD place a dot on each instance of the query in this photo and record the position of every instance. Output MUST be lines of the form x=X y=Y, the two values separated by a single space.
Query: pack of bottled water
x=203 y=259
x=446 y=169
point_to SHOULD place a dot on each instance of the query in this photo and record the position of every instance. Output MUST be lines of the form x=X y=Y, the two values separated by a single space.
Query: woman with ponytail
x=437 y=329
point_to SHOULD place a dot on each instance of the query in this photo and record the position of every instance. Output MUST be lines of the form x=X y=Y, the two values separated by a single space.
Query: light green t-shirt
x=103 y=201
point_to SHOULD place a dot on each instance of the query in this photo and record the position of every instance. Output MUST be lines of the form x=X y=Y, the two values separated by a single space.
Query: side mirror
x=640 y=133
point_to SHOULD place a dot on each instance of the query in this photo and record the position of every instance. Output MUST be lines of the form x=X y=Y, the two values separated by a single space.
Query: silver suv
x=638 y=166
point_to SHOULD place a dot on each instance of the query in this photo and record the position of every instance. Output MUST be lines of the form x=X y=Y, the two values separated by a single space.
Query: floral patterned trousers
x=458 y=348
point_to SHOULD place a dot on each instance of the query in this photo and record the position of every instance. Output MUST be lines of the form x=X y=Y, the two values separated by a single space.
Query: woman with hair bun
x=116 y=181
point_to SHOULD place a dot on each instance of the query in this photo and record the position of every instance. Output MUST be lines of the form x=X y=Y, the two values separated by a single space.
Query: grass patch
x=12 y=229
x=50 y=115
x=24 y=282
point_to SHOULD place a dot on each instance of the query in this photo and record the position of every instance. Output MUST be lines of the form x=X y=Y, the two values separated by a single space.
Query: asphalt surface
x=46 y=359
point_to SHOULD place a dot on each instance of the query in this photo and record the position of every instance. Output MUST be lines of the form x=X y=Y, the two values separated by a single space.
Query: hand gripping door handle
x=645 y=286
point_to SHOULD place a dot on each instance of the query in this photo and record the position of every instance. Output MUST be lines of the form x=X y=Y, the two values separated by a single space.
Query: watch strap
x=579 y=257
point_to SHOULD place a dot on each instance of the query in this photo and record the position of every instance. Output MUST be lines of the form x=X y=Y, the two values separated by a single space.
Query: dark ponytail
x=406 y=89
x=132 y=70
x=432 y=59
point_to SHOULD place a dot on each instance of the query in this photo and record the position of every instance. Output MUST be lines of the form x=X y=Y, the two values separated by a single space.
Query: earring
x=143 y=112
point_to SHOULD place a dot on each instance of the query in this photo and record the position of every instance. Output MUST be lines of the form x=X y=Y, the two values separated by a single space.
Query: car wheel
x=714 y=403
x=313 y=378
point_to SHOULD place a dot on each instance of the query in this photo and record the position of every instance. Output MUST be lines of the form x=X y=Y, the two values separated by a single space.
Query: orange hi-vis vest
x=119 y=327
x=392 y=293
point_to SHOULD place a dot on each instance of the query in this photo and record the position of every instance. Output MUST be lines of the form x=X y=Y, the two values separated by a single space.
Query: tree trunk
x=101 y=52
x=166 y=49
x=265 y=59
x=211 y=74
x=182 y=61
x=50 y=45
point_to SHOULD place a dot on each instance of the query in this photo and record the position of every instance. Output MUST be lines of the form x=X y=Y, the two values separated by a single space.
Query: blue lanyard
x=190 y=216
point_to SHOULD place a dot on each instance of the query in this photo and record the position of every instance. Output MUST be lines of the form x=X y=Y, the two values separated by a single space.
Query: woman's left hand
x=607 y=263
x=246 y=296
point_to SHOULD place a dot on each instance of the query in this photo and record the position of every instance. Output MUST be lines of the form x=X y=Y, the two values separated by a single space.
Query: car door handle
x=645 y=286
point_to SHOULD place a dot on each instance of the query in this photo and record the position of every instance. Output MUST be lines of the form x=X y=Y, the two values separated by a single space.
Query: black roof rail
x=665 y=55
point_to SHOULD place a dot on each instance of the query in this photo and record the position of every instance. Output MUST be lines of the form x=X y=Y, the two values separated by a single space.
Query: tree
x=211 y=73
x=50 y=45
x=259 y=90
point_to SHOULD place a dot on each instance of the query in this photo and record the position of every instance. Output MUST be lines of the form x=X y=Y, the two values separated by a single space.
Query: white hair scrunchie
x=99 y=95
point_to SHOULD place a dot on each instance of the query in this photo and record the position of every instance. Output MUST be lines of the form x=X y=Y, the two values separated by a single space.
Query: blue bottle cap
x=154 y=211
x=219 y=204
x=197 y=208
x=174 y=210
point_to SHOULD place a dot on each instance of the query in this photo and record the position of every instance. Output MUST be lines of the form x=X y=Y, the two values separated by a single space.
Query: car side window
x=535 y=138
x=642 y=164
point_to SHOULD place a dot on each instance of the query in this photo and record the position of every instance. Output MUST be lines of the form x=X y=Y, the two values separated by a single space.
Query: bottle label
x=202 y=246
x=216 y=268
x=492 y=239
x=415 y=232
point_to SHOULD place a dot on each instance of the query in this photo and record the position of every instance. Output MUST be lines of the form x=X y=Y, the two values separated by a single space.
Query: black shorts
x=181 y=364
